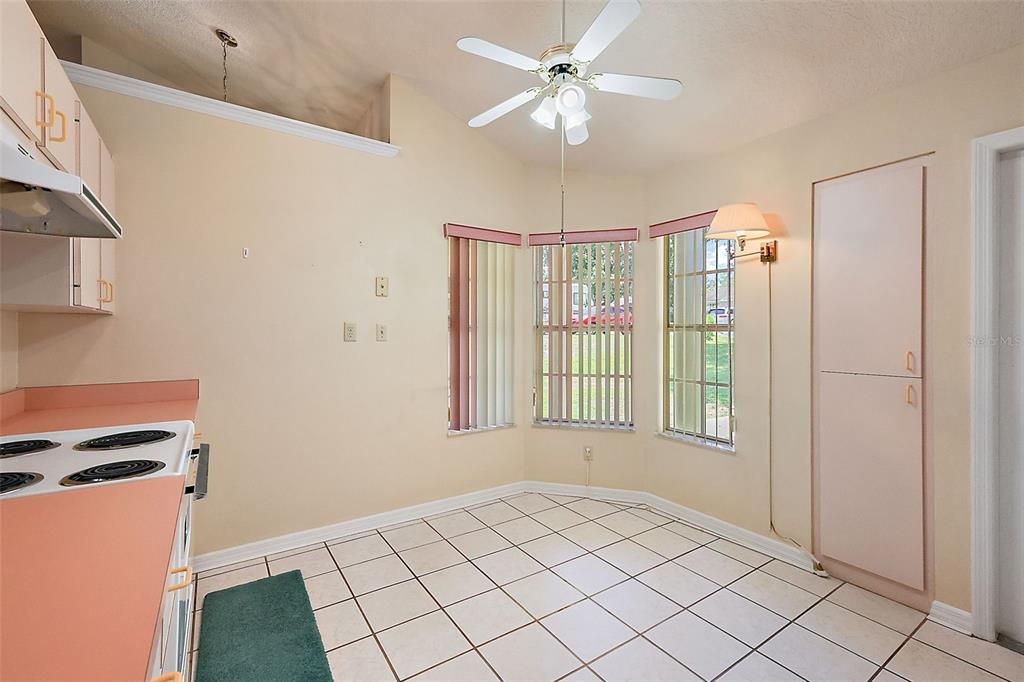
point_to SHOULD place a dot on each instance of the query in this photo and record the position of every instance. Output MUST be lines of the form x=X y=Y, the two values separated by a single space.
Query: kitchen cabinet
x=870 y=472
x=107 y=185
x=53 y=274
x=87 y=153
x=60 y=138
x=872 y=480
x=21 y=68
x=52 y=125
x=868 y=264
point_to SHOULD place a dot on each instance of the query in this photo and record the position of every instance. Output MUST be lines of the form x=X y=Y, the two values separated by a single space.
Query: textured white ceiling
x=749 y=68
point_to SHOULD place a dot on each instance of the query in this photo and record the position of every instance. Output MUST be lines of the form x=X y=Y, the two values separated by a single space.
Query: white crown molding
x=951 y=617
x=132 y=87
x=985 y=153
x=765 y=545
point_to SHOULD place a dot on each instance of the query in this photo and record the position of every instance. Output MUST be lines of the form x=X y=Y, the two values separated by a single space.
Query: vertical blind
x=698 y=390
x=481 y=326
x=584 y=327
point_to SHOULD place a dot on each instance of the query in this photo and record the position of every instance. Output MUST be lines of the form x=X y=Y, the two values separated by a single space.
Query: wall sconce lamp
x=742 y=222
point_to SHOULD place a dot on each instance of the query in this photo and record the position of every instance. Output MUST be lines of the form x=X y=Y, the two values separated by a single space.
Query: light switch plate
x=382 y=332
x=350 y=331
x=382 y=286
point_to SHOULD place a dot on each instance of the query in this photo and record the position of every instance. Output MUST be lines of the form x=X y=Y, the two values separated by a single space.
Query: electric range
x=38 y=463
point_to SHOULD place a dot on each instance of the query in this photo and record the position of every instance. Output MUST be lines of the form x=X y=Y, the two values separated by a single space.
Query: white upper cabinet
x=868 y=272
x=21 y=68
x=41 y=273
x=60 y=137
x=88 y=155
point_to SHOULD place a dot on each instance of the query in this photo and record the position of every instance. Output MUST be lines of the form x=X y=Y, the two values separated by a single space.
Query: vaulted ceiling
x=749 y=68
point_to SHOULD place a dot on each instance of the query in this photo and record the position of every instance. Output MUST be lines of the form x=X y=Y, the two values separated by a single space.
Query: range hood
x=38 y=199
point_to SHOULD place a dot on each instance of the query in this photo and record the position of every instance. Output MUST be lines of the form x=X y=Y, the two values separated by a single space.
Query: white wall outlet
x=382 y=332
x=588 y=454
x=382 y=286
x=350 y=331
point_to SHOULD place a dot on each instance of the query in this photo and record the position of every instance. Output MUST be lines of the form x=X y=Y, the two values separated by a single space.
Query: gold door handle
x=63 y=128
x=168 y=677
x=187 y=570
x=910 y=361
x=910 y=394
x=47 y=110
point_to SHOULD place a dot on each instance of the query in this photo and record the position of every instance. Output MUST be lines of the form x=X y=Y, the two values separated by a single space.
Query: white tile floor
x=542 y=588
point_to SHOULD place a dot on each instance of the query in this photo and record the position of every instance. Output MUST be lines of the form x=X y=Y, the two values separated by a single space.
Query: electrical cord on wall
x=818 y=568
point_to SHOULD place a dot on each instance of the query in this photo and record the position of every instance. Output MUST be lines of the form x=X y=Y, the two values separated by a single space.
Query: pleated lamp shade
x=738 y=221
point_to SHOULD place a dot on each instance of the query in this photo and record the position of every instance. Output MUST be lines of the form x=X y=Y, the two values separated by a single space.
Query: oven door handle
x=202 y=453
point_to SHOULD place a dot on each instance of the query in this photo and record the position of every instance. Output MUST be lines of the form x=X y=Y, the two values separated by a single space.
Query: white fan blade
x=577 y=134
x=500 y=110
x=482 y=48
x=613 y=20
x=640 y=86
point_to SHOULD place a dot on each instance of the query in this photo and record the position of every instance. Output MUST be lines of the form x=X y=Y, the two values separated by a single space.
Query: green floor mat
x=263 y=630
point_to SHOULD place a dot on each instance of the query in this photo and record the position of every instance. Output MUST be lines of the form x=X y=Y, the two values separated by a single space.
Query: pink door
x=868 y=231
x=871 y=474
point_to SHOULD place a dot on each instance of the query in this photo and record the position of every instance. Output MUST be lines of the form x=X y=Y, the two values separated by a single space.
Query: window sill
x=482 y=429
x=690 y=440
x=584 y=427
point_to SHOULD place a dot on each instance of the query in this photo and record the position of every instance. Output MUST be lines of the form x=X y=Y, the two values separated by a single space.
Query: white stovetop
x=56 y=463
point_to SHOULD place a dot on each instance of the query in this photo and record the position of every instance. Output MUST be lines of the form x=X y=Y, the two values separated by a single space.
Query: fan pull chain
x=561 y=233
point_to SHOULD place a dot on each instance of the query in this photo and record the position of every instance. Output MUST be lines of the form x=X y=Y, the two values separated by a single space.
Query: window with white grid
x=700 y=291
x=584 y=333
x=481 y=329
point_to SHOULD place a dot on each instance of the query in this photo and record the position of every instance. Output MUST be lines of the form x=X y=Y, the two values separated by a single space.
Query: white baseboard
x=952 y=617
x=741 y=536
x=768 y=546
x=282 y=543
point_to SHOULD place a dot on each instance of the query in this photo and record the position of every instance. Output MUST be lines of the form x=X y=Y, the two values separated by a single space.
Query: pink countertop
x=57 y=408
x=82 y=576
x=83 y=572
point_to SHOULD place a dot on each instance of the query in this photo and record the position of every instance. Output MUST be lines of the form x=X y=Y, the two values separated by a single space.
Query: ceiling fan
x=563 y=69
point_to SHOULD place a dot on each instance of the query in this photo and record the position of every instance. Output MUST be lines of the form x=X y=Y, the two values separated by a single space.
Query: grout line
x=591 y=598
x=365 y=619
x=950 y=653
x=897 y=650
x=441 y=608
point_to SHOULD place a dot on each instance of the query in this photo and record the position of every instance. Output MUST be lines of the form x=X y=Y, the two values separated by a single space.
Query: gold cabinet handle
x=187 y=570
x=168 y=677
x=910 y=361
x=910 y=394
x=47 y=111
x=63 y=128
x=106 y=291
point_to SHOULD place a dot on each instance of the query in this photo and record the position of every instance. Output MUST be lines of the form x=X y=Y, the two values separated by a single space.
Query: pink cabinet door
x=870 y=471
x=21 y=67
x=868 y=236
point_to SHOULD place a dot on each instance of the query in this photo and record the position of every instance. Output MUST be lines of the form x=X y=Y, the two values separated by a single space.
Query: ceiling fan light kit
x=563 y=68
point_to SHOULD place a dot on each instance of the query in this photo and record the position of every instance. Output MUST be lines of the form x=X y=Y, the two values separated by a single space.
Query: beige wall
x=306 y=430
x=939 y=115
x=8 y=350
x=356 y=428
